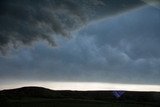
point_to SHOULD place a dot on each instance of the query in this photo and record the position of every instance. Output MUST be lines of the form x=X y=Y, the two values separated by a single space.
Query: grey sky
x=124 y=48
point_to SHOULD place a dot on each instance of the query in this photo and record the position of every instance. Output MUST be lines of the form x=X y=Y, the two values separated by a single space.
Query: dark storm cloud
x=24 y=21
x=123 y=49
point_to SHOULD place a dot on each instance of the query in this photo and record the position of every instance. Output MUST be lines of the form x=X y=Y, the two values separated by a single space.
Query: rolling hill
x=42 y=97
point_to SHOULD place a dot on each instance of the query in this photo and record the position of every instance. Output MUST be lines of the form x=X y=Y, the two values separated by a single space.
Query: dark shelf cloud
x=111 y=41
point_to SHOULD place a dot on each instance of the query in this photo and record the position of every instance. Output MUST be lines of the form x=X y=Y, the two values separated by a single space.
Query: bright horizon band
x=83 y=86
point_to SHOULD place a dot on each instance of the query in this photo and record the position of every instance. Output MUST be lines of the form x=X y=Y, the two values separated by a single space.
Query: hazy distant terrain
x=42 y=97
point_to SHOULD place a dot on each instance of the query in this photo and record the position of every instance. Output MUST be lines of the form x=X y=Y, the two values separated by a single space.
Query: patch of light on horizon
x=82 y=86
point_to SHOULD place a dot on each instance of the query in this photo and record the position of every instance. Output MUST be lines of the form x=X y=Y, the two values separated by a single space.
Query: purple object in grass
x=118 y=94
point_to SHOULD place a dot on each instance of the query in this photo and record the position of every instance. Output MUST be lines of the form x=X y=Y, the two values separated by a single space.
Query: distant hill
x=31 y=93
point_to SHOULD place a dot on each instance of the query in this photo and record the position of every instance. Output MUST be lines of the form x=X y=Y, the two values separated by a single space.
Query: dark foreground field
x=41 y=97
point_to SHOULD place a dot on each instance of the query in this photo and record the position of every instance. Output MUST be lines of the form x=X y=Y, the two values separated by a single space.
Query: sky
x=80 y=44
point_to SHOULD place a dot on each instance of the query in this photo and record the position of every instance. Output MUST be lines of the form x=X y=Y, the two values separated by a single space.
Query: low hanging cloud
x=23 y=22
x=124 y=49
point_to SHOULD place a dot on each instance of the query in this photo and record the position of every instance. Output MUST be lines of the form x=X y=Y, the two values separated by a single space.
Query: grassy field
x=42 y=97
x=71 y=103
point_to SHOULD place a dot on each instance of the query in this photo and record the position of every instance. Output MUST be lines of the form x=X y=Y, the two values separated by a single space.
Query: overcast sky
x=73 y=41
